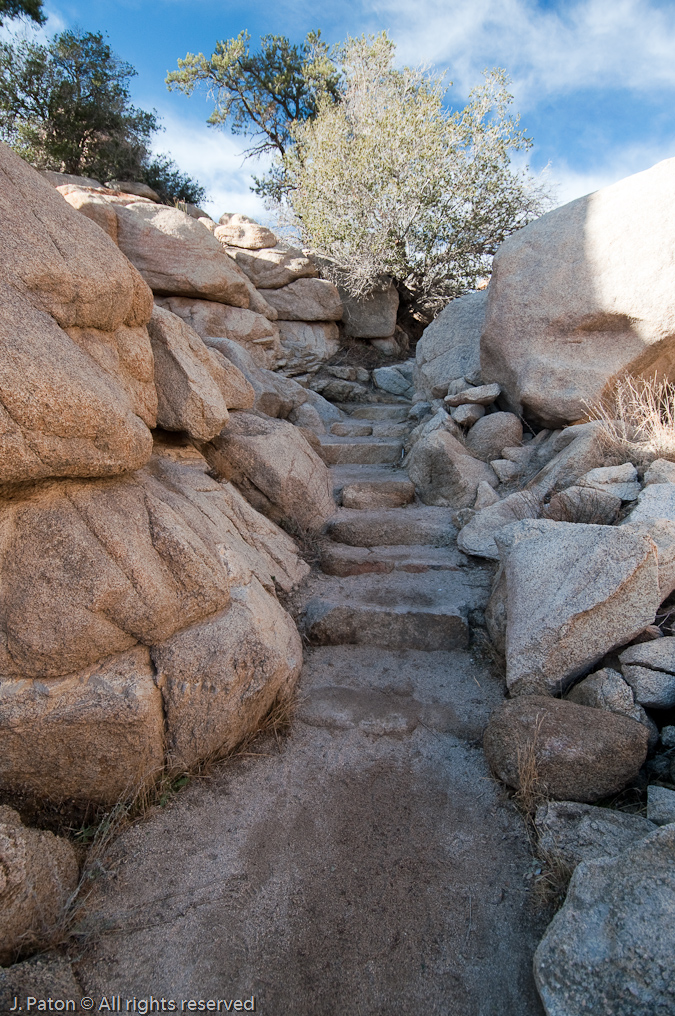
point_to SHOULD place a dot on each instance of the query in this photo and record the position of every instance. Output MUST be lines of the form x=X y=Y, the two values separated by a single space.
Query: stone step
x=342 y=560
x=416 y=524
x=376 y=494
x=363 y=450
x=371 y=411
x=395 y=611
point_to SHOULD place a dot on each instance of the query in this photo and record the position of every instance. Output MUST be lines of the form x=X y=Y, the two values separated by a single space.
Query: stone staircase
x=391 y=574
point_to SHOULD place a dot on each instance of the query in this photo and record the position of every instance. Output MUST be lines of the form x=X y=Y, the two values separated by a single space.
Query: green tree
x=164 y=176
x=262 y=94
x=389 y=182
x=66 y=106
x=32 y=9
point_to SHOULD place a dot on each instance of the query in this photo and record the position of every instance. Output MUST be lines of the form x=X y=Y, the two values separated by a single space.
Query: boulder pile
x=584 y=543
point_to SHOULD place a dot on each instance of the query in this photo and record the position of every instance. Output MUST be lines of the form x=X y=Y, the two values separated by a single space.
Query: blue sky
x=594 y=80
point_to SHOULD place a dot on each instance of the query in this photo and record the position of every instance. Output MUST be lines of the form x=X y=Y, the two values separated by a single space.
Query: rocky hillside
x=180 y=419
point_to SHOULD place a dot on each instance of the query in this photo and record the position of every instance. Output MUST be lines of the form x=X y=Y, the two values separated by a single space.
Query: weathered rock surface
x=450 y=346
x=41 y=976
x=275 y=467
x=219 y=678
x=273 y=267
x=589 y=505
x=660 y=805
x=574 y=592
x=492 y=433
x=477 y=537
x=192 y=386
x=178 y=257
x=306 y=346
x=383 y=494
x=96 y=207
x=93 y=737
x=601 y=948
x=38 y=875
x=396 y=379
x=306 y=300
x=91 y=568
x=240 y=231
x=468 y=414
x=140 y=190
x=444 y=473
x=370 y=317
x=567 y=455
x=577 y=832
x=620 y=481
x=210 y=319
x=649 y=668
x=75 y=358
x=660 y=471
x=606 y=689
x=572 y=752
x=581 y=295
x=656 y=501
x=478 y=395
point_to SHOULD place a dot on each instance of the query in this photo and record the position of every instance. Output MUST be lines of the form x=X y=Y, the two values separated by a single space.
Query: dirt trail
x=370 y=865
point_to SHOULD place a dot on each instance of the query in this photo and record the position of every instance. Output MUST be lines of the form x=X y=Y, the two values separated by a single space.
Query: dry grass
x=549 y=888
x=639 y=419
x=532 y=790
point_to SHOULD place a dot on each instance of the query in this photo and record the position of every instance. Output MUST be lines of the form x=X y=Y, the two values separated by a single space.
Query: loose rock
x=577 y=832
x=558 y=749
x=444 y=473
x=488 y=436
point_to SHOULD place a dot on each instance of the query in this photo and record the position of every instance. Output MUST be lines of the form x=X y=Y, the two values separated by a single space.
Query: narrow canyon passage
x=369 y=864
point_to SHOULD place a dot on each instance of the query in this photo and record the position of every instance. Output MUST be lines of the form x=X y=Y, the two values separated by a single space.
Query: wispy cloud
x=587 y=44
x=214 y=158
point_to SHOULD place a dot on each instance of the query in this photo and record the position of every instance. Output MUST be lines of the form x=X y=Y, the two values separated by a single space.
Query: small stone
x=649 y=668
x=587 y=505
x=668 y=737
x=419 y=410
x=505 y=469
x=485 y=496
x=660 y=805
x=487 y=438
x=483 y=395
x=468 y=414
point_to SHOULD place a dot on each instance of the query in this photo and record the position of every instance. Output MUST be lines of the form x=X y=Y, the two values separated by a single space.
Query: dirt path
x=368 y=866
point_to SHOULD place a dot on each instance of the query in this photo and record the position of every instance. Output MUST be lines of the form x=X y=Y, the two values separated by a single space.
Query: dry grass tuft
x=639 y=419
x=550 y=885
x=532 y=790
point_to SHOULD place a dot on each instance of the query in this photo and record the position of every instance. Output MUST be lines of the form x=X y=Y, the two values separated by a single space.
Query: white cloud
x=214 y=158
x=570 y=183
x=23 y=27
x=587 y=44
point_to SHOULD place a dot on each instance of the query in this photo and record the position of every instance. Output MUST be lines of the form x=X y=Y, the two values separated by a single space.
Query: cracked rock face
x=601 y=947
x=78 y=397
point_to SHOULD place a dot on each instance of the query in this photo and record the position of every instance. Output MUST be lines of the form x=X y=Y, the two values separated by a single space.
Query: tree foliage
x=262 y=94
x=389 y=182
x=66 y=106
x=10 y=9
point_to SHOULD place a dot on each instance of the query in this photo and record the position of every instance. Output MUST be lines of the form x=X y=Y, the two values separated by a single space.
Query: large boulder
x=92 y=567
x=77 y=393
x=178 y=257
x=38 y=875
x=445 y=473
x=552 y=748
x=275 y=394
x=478 y=536
x=273 y=267
x=450 y=346
x=306 y=300
x=93 y=737
x=219 y=678
x=210 y=319
x=306 y=346
x=274 y=466
x=574 y=593
x=195 y=385
x=610 y=949
x=582 y=295
x=372 y=316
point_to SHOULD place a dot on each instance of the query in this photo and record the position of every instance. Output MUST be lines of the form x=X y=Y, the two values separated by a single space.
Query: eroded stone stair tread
x=396 y=611
x=380 y=411
x=359 y=449
x=413 y=524
x=341 y=559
